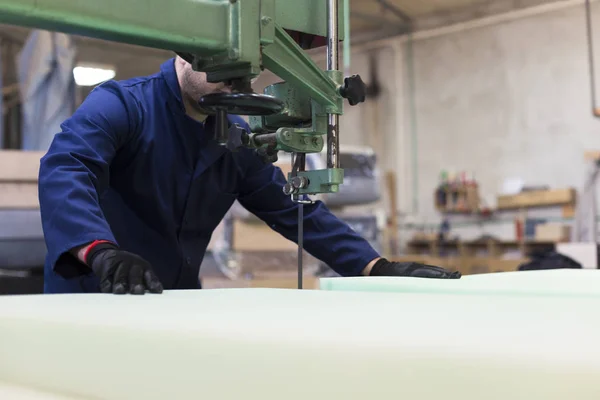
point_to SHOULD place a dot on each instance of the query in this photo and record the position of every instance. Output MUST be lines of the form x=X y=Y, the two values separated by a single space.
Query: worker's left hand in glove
x=121 y=272
x=384 y=267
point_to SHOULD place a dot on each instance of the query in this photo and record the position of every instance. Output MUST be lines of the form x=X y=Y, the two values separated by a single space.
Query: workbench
x=420 y=343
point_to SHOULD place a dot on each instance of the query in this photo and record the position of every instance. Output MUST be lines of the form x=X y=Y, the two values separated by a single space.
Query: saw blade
x=300 y=242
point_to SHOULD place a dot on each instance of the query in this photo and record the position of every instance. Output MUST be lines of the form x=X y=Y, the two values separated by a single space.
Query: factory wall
x=505 y=100
x=506 y=97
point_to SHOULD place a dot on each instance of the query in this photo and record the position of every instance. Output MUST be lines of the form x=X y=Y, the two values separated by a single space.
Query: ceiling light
x=92 y=75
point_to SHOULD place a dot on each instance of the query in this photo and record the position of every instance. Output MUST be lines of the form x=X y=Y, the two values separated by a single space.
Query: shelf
x=491 y=247
x=537 y=198
x=481 y=243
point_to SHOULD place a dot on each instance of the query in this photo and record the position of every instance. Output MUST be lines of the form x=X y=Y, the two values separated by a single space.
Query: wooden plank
x=19 y=166
x=467 y=265
x=538 y=198
x=309 y=282
x=568 y=211
x=591 y=155
x=258 y=236
x=19 y=195
x=393 y=231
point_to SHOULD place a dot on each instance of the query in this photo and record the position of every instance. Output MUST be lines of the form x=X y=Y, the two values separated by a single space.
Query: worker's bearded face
x=194 y=85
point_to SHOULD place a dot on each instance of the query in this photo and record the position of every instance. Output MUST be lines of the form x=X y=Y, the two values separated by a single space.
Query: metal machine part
x=333 y=140
x=233 y=41
x=22 y=252
x=241 y=103
x=22 y=243
x=362 y=178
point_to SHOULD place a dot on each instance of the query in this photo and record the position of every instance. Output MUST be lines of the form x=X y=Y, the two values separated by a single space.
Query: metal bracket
x=267 y=22
x=288 y=61
x=320 y=181
x=299 y=141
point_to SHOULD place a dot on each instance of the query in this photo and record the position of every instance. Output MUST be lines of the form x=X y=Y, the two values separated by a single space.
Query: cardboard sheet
x=311 y=344
x=558 y=282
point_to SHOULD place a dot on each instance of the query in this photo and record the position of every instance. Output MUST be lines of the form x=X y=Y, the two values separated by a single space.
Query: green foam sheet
x=300 y=344
x=558 y=282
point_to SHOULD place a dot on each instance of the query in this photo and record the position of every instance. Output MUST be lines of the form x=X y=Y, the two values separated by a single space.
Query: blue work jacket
x=131 y=167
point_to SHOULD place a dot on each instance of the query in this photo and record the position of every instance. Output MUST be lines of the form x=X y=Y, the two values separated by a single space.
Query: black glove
x=385 y=268
x=121 y=272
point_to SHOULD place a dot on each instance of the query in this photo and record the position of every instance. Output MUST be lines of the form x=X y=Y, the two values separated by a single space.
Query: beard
x=194 y=86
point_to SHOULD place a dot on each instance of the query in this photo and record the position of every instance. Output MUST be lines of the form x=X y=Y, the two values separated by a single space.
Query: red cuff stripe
x=91 y=246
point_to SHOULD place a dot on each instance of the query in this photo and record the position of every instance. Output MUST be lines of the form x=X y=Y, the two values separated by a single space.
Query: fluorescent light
x=90 y=76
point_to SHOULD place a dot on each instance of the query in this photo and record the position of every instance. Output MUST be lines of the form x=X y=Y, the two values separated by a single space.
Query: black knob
x=268 y=154
x=354 y=90
x=238 y=138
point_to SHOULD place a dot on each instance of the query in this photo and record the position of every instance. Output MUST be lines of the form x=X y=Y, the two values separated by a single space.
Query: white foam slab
x=289 y=344
x=13 y=392
x=559 y=282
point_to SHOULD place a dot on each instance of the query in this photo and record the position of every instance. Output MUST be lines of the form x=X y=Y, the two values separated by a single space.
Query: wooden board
x=309 y=282
x=19 y=196
x=19 y=166
x=538 y=198
x=258 y=236
x=467 y=265
x=592 y=155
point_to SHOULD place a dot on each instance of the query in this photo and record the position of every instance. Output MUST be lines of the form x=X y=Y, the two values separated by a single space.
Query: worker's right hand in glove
x=121 y=272
x=384 y=267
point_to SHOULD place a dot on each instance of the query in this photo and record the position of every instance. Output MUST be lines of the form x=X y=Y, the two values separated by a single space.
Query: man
x=133 y=186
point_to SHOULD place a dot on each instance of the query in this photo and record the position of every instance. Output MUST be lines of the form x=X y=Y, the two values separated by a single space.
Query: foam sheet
x=289 y=344
x=13 y=392
x=558 y=282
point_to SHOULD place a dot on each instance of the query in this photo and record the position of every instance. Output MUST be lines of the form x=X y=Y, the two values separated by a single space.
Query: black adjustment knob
x=268 y=154
x=238 y=138
x=354 y=90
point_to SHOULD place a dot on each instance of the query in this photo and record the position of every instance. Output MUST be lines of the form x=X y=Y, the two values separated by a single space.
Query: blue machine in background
x=362 y=179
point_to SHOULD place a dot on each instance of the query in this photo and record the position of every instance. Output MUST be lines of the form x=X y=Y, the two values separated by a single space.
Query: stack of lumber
x=19 y=179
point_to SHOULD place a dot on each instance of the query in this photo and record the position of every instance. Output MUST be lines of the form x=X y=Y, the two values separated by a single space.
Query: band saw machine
x=233 y=41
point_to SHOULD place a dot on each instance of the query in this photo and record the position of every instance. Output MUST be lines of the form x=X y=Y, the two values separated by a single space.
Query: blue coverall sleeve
x=325 y=236
x=75 y=171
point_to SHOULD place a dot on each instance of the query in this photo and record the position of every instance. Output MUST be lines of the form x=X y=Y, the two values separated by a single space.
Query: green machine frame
x=233 y=40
